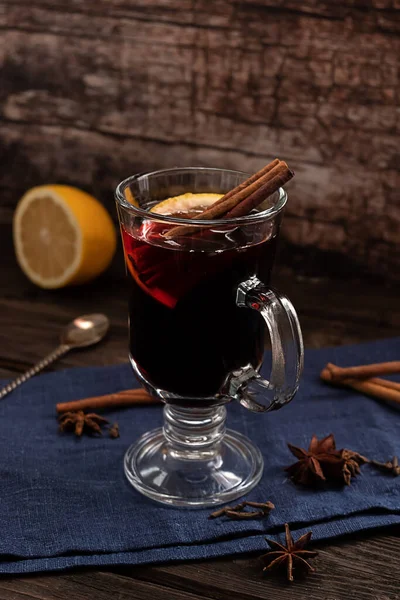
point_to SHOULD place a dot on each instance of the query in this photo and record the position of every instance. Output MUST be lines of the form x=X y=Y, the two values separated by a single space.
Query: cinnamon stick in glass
x=243 y=199
x=245 y=184
x=282 y=175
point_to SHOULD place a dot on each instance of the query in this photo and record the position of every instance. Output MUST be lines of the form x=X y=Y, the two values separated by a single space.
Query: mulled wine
x=199 y=247
x=187 y=333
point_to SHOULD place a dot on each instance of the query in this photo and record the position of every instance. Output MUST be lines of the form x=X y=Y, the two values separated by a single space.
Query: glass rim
x=247 y=219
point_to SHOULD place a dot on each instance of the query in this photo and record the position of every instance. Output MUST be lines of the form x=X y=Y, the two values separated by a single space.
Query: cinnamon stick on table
x=372 y=389
x=360 y=379
x=244 y=198
x=122 y=398
x=335 y=373
x=385 y=383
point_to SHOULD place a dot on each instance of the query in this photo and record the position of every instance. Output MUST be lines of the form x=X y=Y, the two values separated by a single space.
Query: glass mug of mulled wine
x=199 y=304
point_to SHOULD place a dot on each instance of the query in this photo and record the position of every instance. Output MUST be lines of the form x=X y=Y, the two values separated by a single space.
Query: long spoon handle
x=50 y=358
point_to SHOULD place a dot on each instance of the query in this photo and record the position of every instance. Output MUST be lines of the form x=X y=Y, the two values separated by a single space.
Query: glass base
x=196 y=477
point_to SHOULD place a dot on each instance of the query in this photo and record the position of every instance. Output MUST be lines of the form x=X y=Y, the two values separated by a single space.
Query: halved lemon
x=62 y=236
x=185 y=203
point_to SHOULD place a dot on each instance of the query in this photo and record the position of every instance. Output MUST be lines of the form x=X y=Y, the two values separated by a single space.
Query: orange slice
x=185 y=203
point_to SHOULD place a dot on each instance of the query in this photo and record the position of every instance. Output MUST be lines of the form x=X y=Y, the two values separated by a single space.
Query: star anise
x=308 y=470
x=292 y=556
x=80 y=422
x=343 y=470
x=323 y=462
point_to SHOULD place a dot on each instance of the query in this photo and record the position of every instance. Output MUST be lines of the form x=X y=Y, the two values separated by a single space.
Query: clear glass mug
x=199 y=306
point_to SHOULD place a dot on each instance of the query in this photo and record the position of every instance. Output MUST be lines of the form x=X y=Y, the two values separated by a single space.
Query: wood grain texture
x=94 y=90
x=99 y=585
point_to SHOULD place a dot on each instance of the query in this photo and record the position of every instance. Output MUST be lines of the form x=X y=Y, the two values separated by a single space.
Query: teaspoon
x=81 y=332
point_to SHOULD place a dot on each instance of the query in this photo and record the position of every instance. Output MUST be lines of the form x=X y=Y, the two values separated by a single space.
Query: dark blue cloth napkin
x=65 y=501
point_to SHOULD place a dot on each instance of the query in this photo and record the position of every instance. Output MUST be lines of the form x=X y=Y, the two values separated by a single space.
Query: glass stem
x=194 y=433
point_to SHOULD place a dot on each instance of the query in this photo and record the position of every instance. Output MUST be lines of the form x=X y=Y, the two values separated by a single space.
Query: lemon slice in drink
x=185 y=203
x=62 y=236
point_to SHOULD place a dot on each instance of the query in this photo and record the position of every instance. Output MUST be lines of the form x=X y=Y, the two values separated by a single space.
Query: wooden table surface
x=365 y=566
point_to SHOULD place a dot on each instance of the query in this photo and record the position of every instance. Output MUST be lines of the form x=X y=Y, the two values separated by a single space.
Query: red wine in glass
x=187 y=333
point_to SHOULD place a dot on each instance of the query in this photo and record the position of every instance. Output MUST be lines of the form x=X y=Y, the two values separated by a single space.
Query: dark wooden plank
x=87 y=586
x=370 y=13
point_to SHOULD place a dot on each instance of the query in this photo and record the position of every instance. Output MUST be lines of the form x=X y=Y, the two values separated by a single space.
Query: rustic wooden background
x=95 y=90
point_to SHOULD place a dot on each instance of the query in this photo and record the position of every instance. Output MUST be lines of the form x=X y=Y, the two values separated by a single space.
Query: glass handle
x=246 y=385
